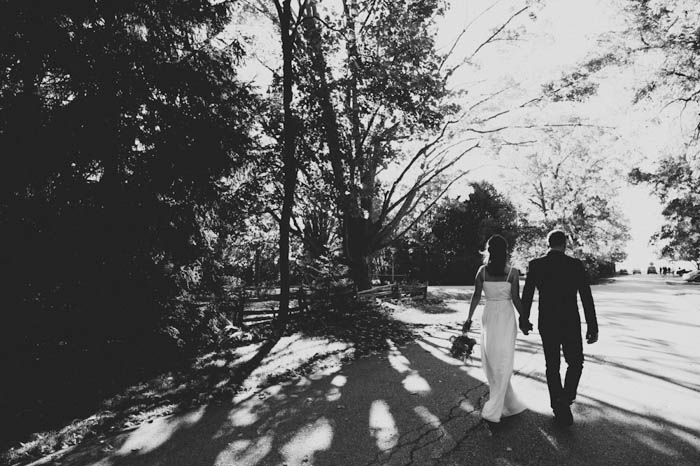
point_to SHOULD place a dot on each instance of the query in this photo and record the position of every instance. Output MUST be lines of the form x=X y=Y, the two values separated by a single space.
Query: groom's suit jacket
x=558 y=278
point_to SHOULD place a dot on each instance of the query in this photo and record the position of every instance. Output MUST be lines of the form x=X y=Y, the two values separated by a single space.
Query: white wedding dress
x=498 y=350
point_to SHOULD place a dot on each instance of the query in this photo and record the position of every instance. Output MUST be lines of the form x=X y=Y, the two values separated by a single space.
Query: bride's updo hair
x=495 y=255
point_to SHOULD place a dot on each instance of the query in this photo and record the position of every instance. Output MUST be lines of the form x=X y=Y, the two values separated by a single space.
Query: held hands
x=525 y=326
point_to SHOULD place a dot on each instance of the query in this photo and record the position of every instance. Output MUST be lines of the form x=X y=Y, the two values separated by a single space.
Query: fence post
x=239 y=308
x=395 y=291
x=425 y=291
x=301 y=299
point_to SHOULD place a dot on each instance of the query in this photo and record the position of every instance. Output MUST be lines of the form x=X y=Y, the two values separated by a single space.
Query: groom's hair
x=556 y=238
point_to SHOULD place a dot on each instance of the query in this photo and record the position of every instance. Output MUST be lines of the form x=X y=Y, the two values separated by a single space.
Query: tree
x=570 y=184
x=252 y=254
x=377 y=89
x=288 y=33
x=676 y=183
x=120 y=122
x=460 y=228
x=356 y=117
x=667 y=32
x=378 y=124
x=670 y=28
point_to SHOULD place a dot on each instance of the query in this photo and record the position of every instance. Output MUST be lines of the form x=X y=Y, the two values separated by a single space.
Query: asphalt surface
x=638 y=401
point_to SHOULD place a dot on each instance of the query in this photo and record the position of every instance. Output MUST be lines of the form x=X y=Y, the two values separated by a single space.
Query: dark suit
x=558 y=278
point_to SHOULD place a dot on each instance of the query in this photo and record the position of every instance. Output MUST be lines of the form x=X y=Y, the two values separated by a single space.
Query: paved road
x=638 y=402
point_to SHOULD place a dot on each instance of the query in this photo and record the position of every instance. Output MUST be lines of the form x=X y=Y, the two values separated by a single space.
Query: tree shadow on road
x=533 y=438
x=412 y=404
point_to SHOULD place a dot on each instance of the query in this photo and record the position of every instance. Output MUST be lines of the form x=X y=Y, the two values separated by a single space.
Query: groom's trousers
x=566 y=337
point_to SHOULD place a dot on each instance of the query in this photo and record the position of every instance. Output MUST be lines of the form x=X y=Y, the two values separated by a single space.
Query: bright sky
x=563 y=34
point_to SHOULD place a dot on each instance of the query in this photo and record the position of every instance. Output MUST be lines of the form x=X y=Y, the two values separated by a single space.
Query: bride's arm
x=476 y=297
x=515 y=291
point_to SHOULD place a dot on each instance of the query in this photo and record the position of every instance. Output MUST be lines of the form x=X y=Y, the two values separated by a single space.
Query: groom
x=558 y=278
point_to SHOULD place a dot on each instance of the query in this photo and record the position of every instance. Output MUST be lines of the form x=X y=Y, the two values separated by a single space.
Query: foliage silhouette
x=122 y=127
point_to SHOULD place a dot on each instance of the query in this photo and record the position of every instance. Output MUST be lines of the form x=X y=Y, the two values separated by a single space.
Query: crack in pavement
x=436 y=426
x=435 y=429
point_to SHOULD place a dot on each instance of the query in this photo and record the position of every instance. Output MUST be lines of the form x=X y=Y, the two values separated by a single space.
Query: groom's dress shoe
x=562 y=414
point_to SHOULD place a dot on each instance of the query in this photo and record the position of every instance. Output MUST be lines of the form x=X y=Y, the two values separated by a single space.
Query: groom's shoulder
x=538 y=260
x=573 y=260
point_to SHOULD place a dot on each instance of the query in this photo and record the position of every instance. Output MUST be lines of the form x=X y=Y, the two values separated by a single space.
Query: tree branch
x=325 y=23
x=487 y=131
x=495 y=115
x=370 y=123
x=533 y=126
x=486 y=42
x=428 y=208
x=430 y=176
x=370 y=12
x=466 y=27
x=278 y=7
x=498 y=31
x=447 y=147
x=300 y=17
x=489 y=97
x=519 y=143
x=419 y=154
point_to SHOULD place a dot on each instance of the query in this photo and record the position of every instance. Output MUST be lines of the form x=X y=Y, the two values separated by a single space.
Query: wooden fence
x=253 y=306
x=257 y=305
x=395 y=291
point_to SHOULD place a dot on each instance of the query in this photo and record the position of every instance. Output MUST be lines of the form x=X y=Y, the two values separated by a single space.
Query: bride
x=500 y=284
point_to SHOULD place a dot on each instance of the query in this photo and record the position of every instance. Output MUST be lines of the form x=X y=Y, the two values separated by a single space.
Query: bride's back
x=496 y=288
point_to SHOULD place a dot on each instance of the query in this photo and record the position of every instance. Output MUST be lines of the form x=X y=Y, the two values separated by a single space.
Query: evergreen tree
x=119 y=123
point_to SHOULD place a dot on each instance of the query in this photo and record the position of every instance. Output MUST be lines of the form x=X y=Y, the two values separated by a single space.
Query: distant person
x=558 y=278
x=500 y=283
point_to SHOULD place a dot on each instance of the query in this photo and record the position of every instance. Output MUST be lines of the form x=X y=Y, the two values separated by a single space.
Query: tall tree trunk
x=288 y=159
x=331 y=128
x=360 y=222
x=356 y=236
x=355 y=227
